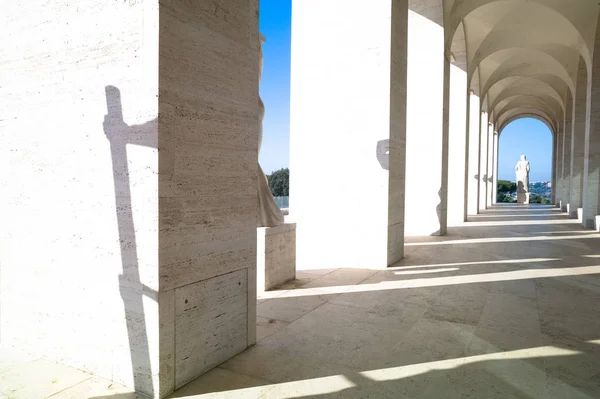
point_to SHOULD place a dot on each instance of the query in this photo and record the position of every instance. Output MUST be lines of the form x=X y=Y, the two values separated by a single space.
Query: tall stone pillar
x=578 y=141
x=591 y=184
x=557 y=183
x=566 y=153
x=425 y=144
x=490 y=168
x=483 y=160
x=356 y=126
x=149 y=234
x=474 y=116
x=495 y=169
x=457 y=150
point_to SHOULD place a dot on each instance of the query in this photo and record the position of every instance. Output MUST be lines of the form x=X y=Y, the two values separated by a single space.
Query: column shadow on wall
x=131 y=288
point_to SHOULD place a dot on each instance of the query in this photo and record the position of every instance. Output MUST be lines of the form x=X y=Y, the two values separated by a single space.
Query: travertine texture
x=473 y=174
x=79 y=204
x=425 y=188
x=566 y=155
x=490 y=168
x=208 y=138
x=275 y=255
x=110 y=212
x=591 y=181
x=495 y=168
x=483 y=157
x=210 y=324
x=457 y=146
x=578 y=141
x=335 y=122
x=558 y=182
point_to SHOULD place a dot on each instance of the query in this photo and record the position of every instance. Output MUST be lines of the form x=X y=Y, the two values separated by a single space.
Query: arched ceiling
x=522 y=56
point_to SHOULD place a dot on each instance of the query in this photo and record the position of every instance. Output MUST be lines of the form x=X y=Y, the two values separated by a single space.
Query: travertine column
x=591 y=184
x=483 y=157
x=558 y=180
x=358 y=125
x=131 y=250
x=490 y=167
x=425 y=190
x=578 y=142
x=457 y=150
x=553 y=177
x=566 y=154
x=495 y=169
x=473 y=161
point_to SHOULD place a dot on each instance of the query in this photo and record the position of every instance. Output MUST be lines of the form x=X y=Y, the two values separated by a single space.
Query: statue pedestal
x=523 y=198
x=275 y=255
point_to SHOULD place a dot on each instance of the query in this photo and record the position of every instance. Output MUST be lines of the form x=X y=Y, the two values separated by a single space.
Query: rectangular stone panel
x=210 y=324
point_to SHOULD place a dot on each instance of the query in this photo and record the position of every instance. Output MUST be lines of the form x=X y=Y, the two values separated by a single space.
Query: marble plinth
x=563 y=206
x=275 y=255
x=523 y=198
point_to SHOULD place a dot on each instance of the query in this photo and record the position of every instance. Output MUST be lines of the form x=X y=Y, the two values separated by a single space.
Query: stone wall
x=79 y=203
x=128 y=246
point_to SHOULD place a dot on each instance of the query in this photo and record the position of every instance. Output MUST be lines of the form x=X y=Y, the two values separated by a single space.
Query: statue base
x=523 y=198
x=275 y=256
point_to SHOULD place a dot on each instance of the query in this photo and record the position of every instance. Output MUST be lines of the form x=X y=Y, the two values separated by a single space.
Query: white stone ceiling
x=522 y=56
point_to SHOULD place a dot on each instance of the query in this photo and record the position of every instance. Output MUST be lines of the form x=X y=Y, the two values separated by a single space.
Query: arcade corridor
x=502 y=307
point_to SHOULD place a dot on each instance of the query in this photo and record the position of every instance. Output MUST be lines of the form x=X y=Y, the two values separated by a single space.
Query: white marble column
x=425 y=198
x=553 y=177
x=566 y=154
x=495 y=170
x=578 y=142
x=490 y=168
x=559 y=164
x=473 y=158
x=457 y=163
x=483 y=160
x=591 y=184
x=354 y=125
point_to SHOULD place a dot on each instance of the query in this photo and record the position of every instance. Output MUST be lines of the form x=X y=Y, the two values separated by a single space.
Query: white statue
x=522 y=170
x=269 y=214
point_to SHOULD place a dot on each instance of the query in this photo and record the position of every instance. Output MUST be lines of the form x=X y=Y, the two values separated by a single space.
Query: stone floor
x=506 y=306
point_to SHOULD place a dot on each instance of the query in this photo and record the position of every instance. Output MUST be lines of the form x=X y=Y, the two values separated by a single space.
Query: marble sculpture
x=269 y=214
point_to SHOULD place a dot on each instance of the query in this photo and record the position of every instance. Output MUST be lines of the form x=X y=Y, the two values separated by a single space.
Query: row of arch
x=522 y=58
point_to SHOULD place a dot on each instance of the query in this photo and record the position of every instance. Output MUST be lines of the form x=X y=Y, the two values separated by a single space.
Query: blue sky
x=275 y=24
x=532 y=138
x=524 y=136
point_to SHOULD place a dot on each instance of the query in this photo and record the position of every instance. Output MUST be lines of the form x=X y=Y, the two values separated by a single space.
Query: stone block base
x=523 y=198
x=597 y=223
x=276 y=256
x=579 y=215
x=563 y=206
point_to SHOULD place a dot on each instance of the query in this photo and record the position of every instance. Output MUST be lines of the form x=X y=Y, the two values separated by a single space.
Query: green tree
x=279 y=182
x=505 y=188
x=535 y=199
